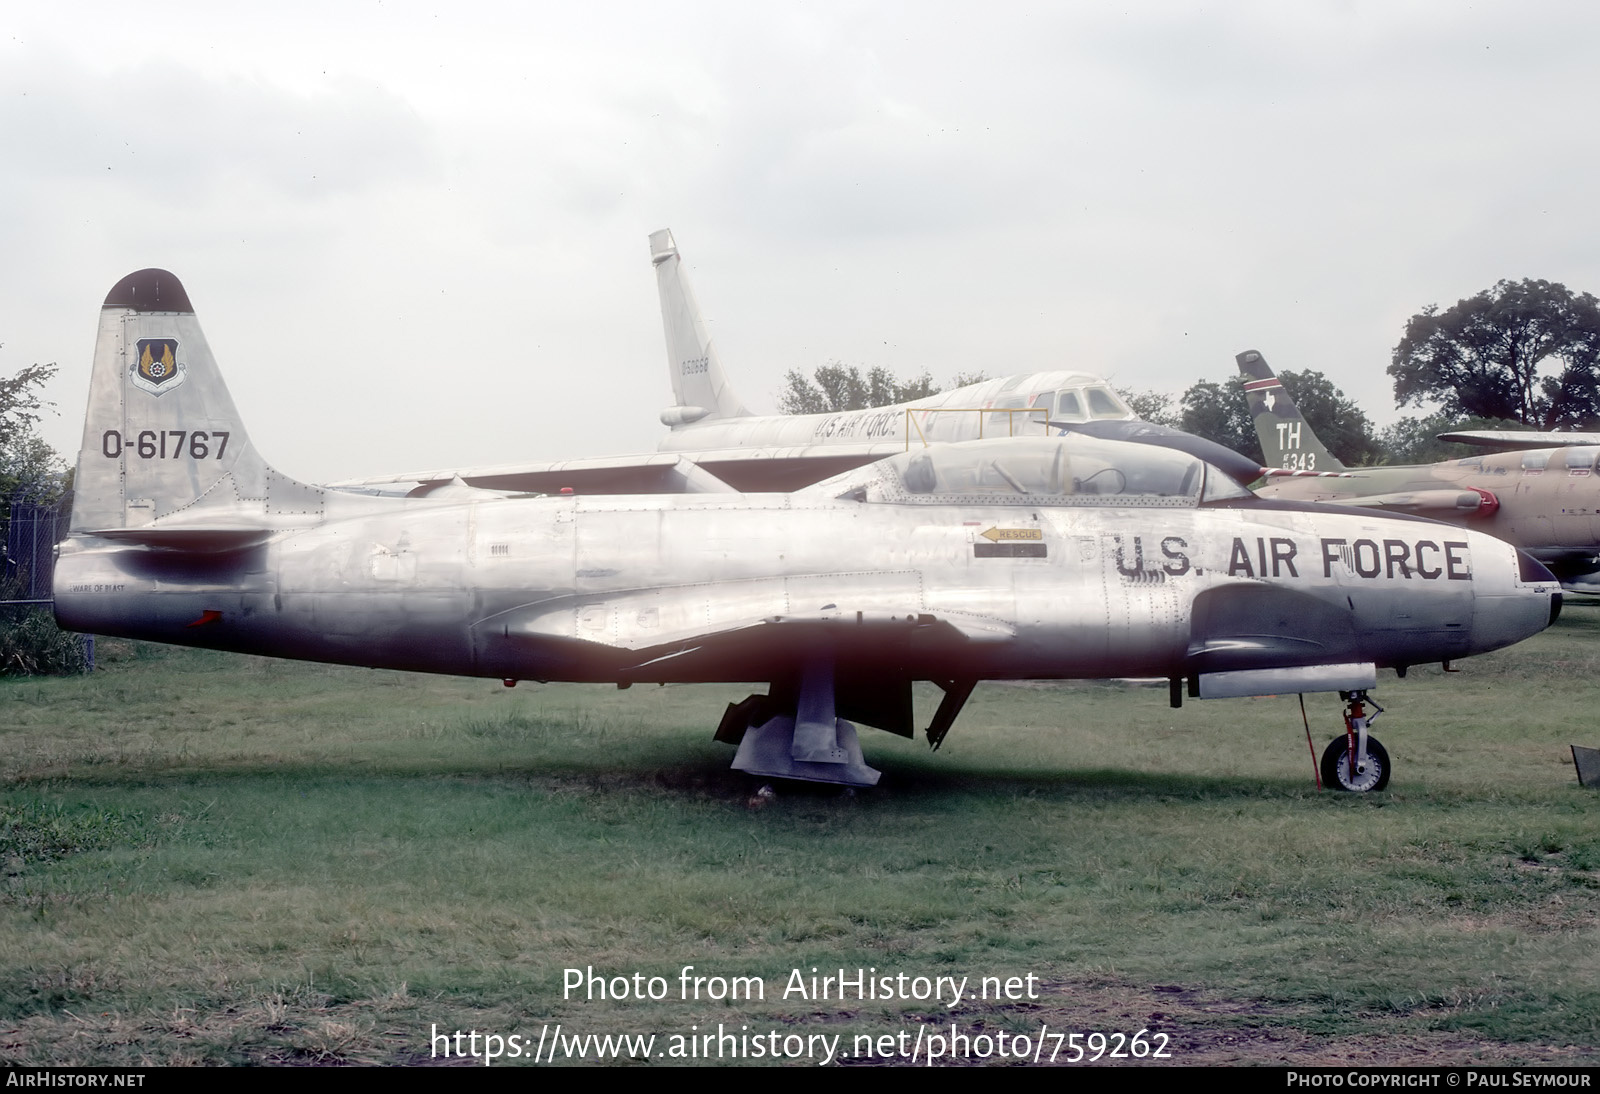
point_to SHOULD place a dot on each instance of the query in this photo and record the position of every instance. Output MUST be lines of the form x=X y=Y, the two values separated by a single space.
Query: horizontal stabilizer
x=201 y=538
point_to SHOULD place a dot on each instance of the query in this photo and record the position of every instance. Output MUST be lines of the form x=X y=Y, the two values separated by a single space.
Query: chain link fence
x=30 y=642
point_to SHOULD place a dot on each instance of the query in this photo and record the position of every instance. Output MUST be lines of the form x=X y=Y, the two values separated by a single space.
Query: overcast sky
x=416 y=234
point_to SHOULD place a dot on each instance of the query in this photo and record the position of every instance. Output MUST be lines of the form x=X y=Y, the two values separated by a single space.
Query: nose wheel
x=1336 y=767
x=1356 y=761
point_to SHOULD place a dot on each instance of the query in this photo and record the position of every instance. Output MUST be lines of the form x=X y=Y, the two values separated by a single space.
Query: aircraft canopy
x=1071 y=470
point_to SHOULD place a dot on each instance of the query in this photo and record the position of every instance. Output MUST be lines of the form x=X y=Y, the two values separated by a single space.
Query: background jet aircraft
x=1545 y=500
x=711 y=431
x=1054 y=557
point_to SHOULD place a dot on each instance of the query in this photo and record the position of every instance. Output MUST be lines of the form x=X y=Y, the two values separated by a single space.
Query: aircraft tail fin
x=165 y=457
x=1287 y=440
x=699 y=388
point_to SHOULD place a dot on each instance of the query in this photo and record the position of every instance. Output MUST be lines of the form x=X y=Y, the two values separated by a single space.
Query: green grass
x=210 y=858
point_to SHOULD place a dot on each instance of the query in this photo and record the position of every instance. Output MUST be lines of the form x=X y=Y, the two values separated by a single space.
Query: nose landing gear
x=1370 y=769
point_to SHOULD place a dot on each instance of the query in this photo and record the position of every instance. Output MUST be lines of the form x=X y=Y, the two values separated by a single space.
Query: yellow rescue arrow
x=996 y=535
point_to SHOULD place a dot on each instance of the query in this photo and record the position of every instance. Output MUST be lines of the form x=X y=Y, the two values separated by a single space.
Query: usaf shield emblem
x=158 y=369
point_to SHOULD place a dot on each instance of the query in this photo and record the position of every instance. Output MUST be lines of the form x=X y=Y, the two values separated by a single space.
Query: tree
x=27 y=464
x=1149 y=405
x=1415 y=440
x=30 y=468
x=30 y=641
x=20 y=404
x=1525 y=350
x=838 y=387
x=1220 y=412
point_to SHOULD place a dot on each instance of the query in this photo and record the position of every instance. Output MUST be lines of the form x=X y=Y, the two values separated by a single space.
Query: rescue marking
x=997 y=535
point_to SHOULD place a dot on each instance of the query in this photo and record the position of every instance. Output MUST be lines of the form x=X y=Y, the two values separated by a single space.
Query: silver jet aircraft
x=716 y=444
x=1049 y=557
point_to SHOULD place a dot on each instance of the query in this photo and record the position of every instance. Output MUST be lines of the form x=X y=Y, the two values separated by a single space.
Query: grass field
x=218 y=859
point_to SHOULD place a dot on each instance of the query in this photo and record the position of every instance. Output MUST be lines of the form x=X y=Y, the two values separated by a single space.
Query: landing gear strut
x=807 y=741
x=1370 y=769
x=798 y=729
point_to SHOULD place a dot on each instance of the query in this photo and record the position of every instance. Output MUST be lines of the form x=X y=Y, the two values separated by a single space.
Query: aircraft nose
x=1516 y=596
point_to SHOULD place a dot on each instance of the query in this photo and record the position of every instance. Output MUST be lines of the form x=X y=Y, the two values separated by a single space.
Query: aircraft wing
x=747 y=470
x=672 y=621
x=753 y=628
x=1513 y=440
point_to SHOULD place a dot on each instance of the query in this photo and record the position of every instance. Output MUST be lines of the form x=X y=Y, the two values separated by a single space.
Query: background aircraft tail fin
x=699 y=388
x=163 y=448
x=1286 y=437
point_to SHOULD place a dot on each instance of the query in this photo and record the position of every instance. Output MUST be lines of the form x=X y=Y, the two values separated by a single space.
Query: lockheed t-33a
x=1022 y=558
